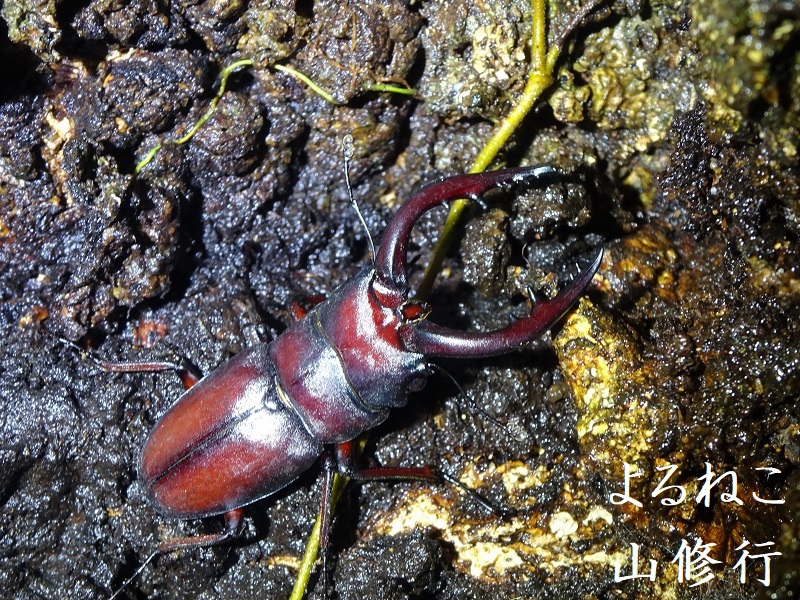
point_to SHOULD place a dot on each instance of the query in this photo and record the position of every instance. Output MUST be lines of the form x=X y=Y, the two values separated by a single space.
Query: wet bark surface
x=680 y=124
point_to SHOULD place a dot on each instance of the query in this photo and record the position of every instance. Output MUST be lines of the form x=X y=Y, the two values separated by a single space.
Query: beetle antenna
x=348 y=150
x=501 y=511
x=475 y=406
x=136 y=574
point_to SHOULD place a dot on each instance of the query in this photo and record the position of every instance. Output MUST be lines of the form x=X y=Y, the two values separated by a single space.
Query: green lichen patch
x=536 y=543
x=477 y=54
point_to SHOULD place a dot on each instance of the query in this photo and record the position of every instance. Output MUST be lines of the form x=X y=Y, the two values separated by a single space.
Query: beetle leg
x=391 y=262
x=233 y=520
x=301 y=310
x=435 y=340
x=329 y=469
x=188 y=377
x=346 y=464
x=233 y=527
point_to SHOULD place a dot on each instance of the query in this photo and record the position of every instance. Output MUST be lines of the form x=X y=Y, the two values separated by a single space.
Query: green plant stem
x=313 y=543
x=539 y=79
x=393 y=89
x=223 y=81
x=309 y=82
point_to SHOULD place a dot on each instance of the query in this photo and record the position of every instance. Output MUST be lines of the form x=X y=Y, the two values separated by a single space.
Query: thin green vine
x=483 y=160
x=223 y=81
x=322 y=92
x=392 y=89
x=313 y=542
x=319 y=90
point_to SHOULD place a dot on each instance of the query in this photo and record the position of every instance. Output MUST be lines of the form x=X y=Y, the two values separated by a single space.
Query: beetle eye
x=414 y=311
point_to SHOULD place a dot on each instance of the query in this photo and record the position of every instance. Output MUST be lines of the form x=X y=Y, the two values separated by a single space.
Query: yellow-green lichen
x=596 y=355
x=765 y=278
x=533 y=541
x=618 y=414
x=629 y=80
x=34 y=24
x=480 y=55
x=737 y=42
x=273 y=32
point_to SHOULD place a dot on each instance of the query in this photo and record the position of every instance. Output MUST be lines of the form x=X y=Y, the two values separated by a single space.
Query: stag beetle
x=260 y=420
